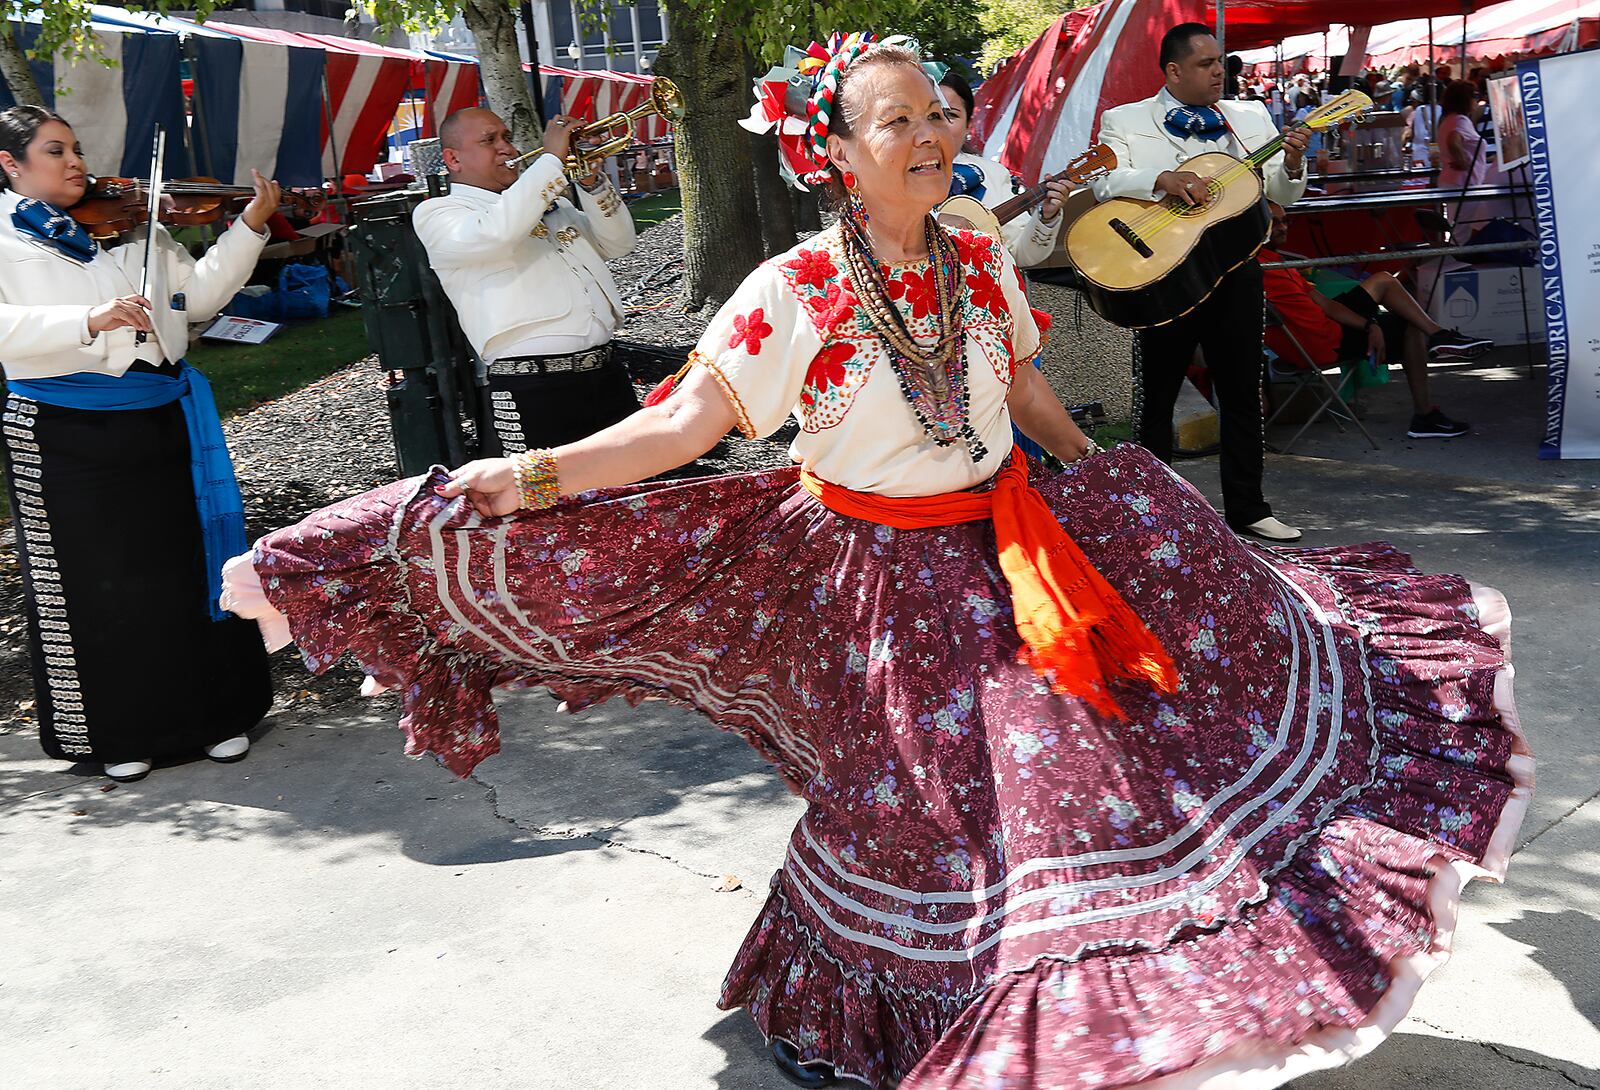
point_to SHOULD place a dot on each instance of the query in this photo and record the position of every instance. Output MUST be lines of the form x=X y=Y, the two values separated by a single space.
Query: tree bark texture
x=15 y=69
x=722 y=240
x=772 y=196
x=494 y=24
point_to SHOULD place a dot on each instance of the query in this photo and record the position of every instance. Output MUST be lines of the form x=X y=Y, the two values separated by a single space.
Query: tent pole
x=327 y=114
x=1222 y=28
x=1466 y=10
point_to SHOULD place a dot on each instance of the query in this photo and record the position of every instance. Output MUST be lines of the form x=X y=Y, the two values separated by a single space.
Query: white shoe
x=129 y=771
x=229 y=749
x=1270 y=529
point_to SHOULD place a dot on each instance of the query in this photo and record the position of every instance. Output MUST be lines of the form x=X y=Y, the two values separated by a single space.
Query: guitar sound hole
x=1213 y=194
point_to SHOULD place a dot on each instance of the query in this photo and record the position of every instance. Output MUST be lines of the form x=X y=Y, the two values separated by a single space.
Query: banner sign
x=1557 y=99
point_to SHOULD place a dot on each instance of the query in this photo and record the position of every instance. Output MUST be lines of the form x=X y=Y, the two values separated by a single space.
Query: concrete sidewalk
x=330 y=914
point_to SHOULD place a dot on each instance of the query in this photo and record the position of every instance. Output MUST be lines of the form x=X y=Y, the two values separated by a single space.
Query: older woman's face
x=901 y=145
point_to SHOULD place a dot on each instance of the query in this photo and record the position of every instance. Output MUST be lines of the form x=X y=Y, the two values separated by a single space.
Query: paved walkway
x=330 y=914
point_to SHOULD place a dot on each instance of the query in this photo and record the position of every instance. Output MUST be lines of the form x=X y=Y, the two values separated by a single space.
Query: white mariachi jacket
x=1146 y=148
x=45 y=298
x=526 y=263
x=1029 y=238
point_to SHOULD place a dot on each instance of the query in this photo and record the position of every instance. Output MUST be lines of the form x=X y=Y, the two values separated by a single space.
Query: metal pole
x=1222 y=28
x=638 y=39
x=531 y=36
x=1466 y=10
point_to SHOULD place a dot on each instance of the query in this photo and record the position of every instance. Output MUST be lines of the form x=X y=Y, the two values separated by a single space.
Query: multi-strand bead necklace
x=933 y=379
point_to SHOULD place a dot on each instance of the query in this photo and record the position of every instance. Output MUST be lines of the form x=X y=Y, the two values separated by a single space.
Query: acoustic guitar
x=1146 y=263
x=971 y=213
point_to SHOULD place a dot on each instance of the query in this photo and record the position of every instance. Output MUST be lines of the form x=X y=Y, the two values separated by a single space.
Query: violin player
x=120 y=482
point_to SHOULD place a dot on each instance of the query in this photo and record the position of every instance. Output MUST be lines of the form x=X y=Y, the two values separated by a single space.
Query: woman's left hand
x=490 y=485
x=263 y=204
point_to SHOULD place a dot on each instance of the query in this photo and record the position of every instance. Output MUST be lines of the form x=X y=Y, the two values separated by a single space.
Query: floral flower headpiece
x=808 y=83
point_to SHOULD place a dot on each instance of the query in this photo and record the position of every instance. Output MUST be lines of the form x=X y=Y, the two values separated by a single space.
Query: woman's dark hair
x=963 y=89
x=1457 y=99
x=18 y=126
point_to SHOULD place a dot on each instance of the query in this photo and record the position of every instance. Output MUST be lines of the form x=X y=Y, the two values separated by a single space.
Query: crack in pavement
x=1499 y=1051
x=493 y=797
x=1529 y=842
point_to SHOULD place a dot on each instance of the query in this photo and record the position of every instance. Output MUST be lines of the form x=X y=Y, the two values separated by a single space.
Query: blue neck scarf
x=966 y=180
x=1205 y=122
x=216 y=491
x=53 y=227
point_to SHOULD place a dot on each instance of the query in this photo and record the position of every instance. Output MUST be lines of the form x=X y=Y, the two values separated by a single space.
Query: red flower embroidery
x=827 y=369
x=972 y=248
x=832 y=308
x=985 y=293
x=751 y=329
x=917 y=289
x=812 y=268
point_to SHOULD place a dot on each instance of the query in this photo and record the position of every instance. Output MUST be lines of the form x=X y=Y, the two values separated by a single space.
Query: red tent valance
x=1252 y=23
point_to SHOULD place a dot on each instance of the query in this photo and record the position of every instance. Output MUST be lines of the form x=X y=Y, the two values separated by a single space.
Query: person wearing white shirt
x=1152 y=139
x=1031 y=238
x=123 y=496
x=526 y=270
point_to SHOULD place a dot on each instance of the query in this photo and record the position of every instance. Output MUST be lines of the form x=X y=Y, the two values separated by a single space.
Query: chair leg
x=1335 y=394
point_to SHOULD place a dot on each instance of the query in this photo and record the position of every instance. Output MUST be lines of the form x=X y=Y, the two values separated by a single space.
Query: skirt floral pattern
x=992 y=886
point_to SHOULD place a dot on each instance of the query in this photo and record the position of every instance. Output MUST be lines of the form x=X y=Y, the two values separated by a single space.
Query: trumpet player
x=525 y=267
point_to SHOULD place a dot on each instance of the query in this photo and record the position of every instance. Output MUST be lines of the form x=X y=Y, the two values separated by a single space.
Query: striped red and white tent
x=589 y=96
x=452 y=84
x=1042 y=107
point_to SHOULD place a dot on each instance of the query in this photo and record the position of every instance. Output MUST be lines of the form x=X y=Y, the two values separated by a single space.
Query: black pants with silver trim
x=533 y=409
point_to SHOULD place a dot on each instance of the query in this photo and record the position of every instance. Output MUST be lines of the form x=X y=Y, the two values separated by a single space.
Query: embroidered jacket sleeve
x=29 y=331
x=606 y=219
x=1031 y=239
x=1129 y=179
x=209 y=283
x=456 y=233
x=759 y=348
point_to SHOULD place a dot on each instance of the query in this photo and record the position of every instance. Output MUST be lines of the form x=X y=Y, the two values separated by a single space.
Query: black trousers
x=547 y=410
x=1228 y=328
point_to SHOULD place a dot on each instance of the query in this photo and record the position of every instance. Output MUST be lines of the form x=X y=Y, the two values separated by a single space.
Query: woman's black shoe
x=811 y=1075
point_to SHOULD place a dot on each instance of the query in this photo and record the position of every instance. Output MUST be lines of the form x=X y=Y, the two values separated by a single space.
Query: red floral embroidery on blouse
x=832 y=308
x=812 y=268
x=974 y=249
x=827 y=369
x=752 y=329
x=917 y=289
x=986 y=293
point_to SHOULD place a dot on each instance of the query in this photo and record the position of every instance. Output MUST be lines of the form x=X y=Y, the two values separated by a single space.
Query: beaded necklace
x=933 y=379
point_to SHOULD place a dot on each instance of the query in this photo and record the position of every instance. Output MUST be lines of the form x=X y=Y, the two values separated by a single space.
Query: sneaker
x=1433 y=424
x=1452 y=344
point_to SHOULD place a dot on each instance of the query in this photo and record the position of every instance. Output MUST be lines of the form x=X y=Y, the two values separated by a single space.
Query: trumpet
x=665 y=101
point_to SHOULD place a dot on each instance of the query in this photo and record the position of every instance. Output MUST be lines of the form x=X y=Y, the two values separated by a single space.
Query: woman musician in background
x=120 y=484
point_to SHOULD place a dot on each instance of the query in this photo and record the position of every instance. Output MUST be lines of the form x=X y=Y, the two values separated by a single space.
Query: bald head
x=476 y=145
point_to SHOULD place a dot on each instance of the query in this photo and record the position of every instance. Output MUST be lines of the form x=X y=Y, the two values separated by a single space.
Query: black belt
x=590 y=359
x=163 y=367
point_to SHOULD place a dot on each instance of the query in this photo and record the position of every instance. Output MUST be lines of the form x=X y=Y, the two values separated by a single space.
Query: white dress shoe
x=229 y=749
x=1270 y=529
x=129 y=771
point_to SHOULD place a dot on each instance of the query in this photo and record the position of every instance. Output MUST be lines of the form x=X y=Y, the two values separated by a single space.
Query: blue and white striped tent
x=258 y=104
x=115 y=110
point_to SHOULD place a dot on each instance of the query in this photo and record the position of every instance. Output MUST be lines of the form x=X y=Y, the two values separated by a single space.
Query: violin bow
x=158 y=157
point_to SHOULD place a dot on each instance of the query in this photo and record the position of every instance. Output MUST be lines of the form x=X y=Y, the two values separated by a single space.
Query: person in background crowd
x=121 y=487
x=1463 y=152
x=1031 y=238
x=526 y=270
x=1377 y=318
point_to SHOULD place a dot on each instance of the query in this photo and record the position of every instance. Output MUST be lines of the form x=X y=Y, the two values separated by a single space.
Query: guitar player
x=1152 y=138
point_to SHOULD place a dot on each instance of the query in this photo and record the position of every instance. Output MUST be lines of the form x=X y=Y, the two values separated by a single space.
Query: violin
x=114 y=206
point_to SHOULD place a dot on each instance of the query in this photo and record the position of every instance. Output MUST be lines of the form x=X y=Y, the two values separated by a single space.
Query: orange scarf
x=1077 y=632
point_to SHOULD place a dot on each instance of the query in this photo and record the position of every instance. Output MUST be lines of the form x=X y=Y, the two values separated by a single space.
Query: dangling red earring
x=849 y=180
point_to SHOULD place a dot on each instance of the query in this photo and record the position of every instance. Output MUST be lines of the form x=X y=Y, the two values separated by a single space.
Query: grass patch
x=246 y=375
x=651 y=210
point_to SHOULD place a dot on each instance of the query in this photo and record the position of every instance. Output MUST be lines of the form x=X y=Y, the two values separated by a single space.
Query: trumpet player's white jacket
x=1145 y=148
x=45 y=298
x=526 y=269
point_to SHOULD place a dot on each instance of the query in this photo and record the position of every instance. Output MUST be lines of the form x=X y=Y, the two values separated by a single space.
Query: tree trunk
x=772 y=196
x=494 y=24
x=721 y=228
x=16 y=70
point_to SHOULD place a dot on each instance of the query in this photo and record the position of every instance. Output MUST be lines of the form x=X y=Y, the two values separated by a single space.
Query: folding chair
x=1307 y=376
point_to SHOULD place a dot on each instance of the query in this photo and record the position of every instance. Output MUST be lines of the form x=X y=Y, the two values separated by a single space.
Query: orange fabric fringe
x=1077 y=632
x=664 y=388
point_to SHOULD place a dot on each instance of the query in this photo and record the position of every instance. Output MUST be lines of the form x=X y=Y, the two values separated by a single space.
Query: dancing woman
x=120 y=484
x=1096 y=792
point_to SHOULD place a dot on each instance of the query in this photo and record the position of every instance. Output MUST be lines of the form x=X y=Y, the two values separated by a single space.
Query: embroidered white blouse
x=794 y=340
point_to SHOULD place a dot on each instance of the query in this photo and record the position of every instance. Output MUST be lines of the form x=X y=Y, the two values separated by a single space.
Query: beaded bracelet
x=538 y=483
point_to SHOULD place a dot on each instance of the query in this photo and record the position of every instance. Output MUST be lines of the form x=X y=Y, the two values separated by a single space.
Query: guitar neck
x=1025 y=201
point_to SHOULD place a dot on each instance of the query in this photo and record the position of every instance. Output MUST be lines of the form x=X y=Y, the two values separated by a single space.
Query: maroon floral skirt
x=993 y=885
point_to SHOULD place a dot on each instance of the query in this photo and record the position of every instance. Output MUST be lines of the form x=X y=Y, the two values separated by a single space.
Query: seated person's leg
x=1442 y=343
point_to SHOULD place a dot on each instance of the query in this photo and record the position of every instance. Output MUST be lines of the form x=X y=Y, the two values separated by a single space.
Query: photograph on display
x=1510 y=127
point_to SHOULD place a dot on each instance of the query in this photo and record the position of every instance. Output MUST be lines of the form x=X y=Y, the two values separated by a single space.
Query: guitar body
x=969 y=213
x=1144 y=268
